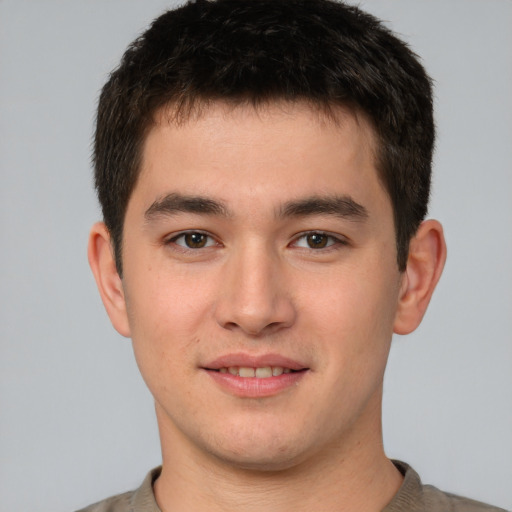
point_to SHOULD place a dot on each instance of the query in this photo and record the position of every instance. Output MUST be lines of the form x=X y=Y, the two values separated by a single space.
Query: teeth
x=246 y=372
x=277 y=370
x=261 y=373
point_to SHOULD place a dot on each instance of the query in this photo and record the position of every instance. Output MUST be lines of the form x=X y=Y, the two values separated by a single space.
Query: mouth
x=255 y=377
x=262 y=372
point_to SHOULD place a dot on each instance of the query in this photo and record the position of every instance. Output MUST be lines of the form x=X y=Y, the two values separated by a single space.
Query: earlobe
x=427 y=255
x=110 y=286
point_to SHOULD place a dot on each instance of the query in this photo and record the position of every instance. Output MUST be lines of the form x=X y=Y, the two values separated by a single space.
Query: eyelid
x=336 y=239
x=171 y=239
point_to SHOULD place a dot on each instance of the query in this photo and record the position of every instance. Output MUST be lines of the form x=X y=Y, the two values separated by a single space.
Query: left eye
x=193 y=240
x=316 y=241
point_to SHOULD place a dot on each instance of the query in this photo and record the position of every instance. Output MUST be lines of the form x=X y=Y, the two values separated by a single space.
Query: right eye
x=193 y=240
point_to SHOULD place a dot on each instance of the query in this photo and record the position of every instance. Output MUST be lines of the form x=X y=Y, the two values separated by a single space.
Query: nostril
x=255 y=308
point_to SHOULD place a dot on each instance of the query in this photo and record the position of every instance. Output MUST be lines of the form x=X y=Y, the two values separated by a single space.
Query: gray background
x=76 y=422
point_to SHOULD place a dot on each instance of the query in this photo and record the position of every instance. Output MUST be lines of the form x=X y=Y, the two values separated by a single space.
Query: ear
x=110 y=286
x=427 y=255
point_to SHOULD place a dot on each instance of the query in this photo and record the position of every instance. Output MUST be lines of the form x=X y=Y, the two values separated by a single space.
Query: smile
x=263 y=372
x=244 y=376
x=255 y=376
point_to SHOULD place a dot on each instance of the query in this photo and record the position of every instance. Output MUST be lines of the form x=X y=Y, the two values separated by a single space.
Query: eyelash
x=174 y=240
x=331 y=241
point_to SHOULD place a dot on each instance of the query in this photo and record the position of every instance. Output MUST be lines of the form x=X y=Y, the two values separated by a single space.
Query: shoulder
x=118 y=503
x=437 y=500
x=139 y=500
x=413 y=496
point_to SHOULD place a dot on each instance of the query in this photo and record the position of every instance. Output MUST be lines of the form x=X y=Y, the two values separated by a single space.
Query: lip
x=240 y=359
x=254 y=387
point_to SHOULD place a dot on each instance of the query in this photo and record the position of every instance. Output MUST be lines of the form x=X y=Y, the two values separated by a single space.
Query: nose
x=255 y=298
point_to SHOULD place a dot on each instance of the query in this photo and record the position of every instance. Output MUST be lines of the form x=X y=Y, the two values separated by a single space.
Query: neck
x=355 y=476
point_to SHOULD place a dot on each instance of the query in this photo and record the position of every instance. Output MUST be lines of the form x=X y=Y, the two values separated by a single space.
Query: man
x=264 y=170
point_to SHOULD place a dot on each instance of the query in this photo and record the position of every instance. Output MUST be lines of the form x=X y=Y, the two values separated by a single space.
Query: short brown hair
x=321 y=51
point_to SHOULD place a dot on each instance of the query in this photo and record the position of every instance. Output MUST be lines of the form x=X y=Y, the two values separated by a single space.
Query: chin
x=259 y=462
x=264 y=451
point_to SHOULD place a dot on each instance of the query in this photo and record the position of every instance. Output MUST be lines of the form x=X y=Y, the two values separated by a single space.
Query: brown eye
x=317 y=240
x=193 y=240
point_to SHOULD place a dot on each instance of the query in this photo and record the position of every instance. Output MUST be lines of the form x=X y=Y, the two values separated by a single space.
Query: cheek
x=164 y=320
x=354 y=314
x=162 y=301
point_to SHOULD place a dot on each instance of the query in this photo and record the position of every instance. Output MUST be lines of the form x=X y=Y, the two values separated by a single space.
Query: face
x=261 y=283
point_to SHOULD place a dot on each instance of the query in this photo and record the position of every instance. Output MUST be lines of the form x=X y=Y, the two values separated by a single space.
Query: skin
x=257 y=287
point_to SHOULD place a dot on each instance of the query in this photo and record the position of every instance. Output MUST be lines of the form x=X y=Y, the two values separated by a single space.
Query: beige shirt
x=412 y=496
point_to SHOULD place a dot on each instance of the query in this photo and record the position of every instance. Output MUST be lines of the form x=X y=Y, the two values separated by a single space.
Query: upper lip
x=253 y=361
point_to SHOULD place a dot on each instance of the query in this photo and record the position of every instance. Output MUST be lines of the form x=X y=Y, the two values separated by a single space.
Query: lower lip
x=252 y=387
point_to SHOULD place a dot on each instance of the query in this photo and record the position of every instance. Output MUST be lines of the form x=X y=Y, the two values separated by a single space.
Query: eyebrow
x=340 y=206
x=175 y=203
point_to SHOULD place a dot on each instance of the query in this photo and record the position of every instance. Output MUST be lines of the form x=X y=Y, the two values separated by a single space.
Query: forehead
x=264 y=152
